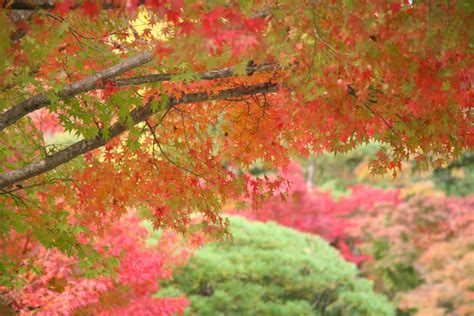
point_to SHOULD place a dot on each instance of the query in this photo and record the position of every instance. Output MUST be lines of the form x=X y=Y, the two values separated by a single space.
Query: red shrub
x=62 y=289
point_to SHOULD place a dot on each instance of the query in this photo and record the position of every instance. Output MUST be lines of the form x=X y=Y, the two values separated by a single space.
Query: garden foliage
x=415 y=243
x=338 y=172
x=63 y=287
x=317 y=212
x=267 y=269
x=423 y=253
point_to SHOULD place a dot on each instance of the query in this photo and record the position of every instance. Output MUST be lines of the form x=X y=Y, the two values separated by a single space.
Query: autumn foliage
x=416 y=245
x=62 y=288
x=168 y=104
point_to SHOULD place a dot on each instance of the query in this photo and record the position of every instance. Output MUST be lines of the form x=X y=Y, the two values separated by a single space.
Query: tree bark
x=39 y=101
x=50 y=4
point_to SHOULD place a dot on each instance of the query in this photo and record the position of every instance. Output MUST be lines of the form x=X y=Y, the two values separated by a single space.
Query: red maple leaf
x=186 y=28
x=109 y=89
x=90 y=8
x=162 y=51
x=64 y=7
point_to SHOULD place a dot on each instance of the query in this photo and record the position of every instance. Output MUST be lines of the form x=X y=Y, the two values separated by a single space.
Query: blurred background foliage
x=413 y=235
x=336 y=173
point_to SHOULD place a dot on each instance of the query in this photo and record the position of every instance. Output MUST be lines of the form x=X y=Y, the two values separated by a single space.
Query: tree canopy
x=165 y=104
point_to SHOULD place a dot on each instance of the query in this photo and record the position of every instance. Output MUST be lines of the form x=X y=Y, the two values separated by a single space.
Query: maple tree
x=168 y=100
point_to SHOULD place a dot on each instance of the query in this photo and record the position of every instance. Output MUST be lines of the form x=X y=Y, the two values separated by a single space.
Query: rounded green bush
x=267 y=269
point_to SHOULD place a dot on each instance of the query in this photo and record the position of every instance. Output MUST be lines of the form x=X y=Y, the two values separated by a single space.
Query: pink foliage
x=424 y=219
x=365 y=199
x=62 y=289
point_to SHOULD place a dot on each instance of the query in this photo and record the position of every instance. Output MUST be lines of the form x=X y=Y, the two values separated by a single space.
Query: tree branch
x=98 y=80
x=51 y=4
x=208 y=75
x=39 y=101
x=138 y=115
x=16 y=16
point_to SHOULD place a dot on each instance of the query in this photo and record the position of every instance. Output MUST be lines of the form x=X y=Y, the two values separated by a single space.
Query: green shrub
x=268 y=269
